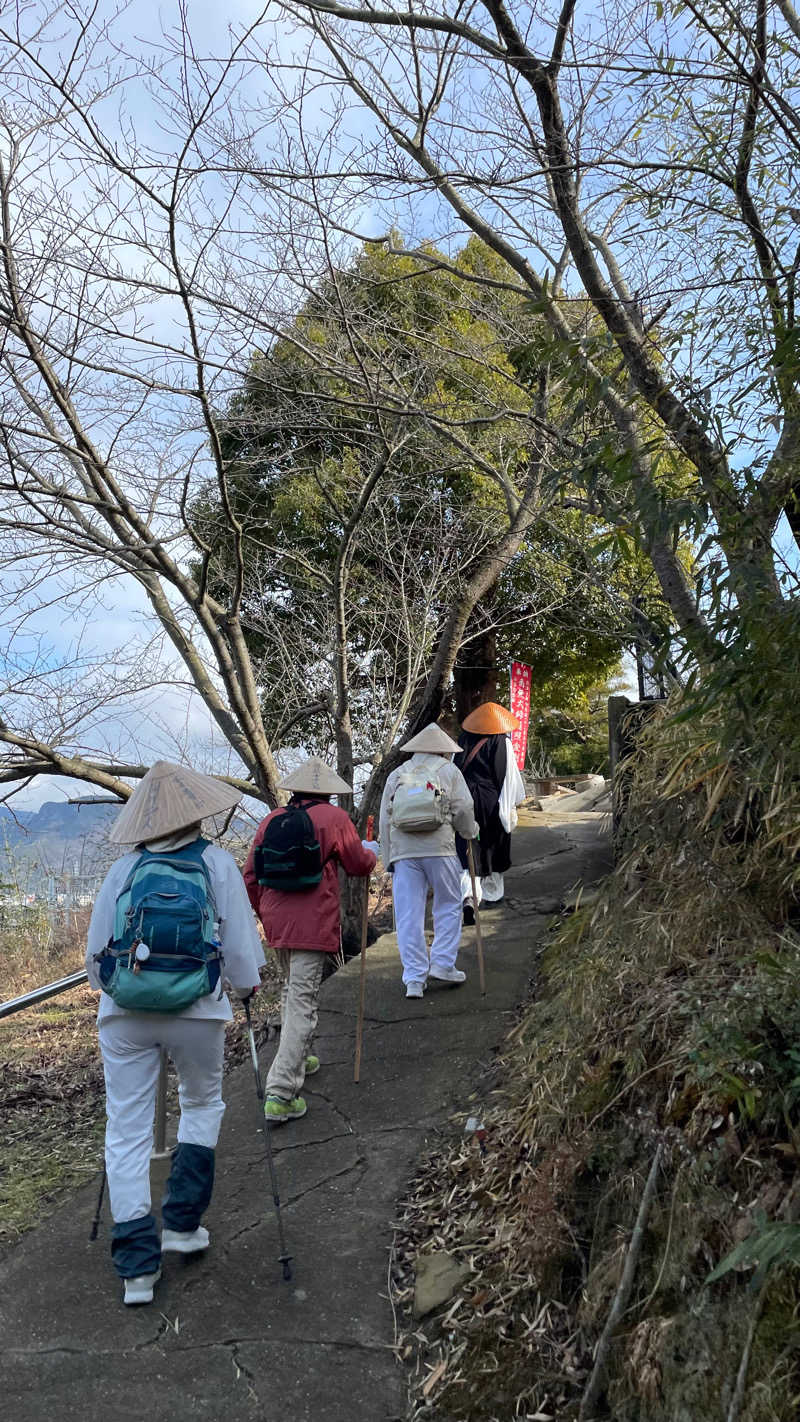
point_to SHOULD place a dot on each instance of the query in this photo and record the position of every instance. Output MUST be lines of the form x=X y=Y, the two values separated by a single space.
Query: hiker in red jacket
x=302 y=920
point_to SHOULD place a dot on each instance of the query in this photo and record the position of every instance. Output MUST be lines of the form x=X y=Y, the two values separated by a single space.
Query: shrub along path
x=225 y=1334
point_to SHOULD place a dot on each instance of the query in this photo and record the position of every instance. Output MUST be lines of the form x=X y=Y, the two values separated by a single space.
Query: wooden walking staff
x=478 y=938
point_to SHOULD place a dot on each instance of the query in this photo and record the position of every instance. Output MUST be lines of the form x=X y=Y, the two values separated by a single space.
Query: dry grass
x=37 y=949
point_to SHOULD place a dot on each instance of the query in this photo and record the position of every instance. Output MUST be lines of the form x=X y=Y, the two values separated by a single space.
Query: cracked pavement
x=225 y=1332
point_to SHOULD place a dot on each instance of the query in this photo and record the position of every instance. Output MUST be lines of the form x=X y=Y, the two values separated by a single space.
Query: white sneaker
x=415 y=989
x=139 y=1290
x=184 y=1241
x=447 y=975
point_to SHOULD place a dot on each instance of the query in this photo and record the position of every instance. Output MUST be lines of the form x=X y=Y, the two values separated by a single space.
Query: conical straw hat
x=432 y=738
x=490 y=719
x=316 y=778
x=169 y=798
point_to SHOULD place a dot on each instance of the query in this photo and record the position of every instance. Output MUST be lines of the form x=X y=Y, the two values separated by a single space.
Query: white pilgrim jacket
x=434 y=844
x=241 y=946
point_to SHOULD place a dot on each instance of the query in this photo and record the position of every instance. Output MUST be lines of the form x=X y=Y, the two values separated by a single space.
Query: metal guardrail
x=41 y=994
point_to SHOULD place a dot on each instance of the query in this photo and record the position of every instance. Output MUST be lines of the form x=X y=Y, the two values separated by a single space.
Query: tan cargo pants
x=301 y=970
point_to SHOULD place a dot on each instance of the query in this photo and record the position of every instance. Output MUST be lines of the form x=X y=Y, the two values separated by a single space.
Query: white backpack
x=419 y=803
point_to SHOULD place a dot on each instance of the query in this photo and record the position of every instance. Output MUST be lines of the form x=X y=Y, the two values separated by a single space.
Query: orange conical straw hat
x=490 y=719
x=169 y=798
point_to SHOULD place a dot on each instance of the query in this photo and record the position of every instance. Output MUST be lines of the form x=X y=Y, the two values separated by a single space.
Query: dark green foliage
x=401 y=372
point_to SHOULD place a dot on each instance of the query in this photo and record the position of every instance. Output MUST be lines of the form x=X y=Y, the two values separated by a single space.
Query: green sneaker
x=312 y=1065
x=277 y=1111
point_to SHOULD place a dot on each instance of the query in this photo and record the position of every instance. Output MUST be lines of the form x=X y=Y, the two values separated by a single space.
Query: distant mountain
x=62 y=839
x=58 y=838
x=55 y=817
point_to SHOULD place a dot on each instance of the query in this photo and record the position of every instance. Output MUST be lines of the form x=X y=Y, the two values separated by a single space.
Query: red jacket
x=311 y=919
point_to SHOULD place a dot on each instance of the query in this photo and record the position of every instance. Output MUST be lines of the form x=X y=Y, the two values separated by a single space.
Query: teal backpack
x=164 y=953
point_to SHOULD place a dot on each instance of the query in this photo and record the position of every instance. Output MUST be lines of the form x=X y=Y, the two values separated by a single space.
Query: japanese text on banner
x=521 y=708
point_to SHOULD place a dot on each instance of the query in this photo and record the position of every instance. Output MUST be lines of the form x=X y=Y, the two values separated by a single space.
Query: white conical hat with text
x=169 y=798
x=432 y=738
x=316 y=778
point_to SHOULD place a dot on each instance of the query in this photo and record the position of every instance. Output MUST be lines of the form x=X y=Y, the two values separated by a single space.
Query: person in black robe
x=483 y=761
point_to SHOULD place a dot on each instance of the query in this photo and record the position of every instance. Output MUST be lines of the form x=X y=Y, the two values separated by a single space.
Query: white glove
x=371 y=844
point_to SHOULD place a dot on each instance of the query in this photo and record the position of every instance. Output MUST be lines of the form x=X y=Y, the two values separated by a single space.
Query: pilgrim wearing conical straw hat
x=488 y=764
x=302 y=924
x=170 y=798
x=424 y=802
x=314 y=777
x=187 y=887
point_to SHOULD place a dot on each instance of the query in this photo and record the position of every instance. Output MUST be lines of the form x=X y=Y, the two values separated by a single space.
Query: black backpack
x=289 y=857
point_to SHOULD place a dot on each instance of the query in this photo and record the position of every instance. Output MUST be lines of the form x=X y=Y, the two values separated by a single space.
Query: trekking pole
x=96 y=1220
x=478 y=937
x=362 y=987
x=284 y=1257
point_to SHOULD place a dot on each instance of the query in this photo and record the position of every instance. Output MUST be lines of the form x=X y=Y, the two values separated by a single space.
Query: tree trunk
x=353 y=892
x=475 y=673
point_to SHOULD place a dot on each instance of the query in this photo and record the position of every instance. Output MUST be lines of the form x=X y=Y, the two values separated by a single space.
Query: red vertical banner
x=521 y=708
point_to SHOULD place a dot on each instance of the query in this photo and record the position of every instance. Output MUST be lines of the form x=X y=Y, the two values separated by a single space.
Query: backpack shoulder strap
x=129 y=877
x=478 y=746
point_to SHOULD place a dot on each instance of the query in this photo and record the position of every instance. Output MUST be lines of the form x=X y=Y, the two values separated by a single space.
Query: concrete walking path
x=226 y=1337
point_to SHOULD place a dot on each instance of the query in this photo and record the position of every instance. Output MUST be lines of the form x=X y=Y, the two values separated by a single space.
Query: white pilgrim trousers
x=130 y=1046
x=491 y=887
x=410 y=881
